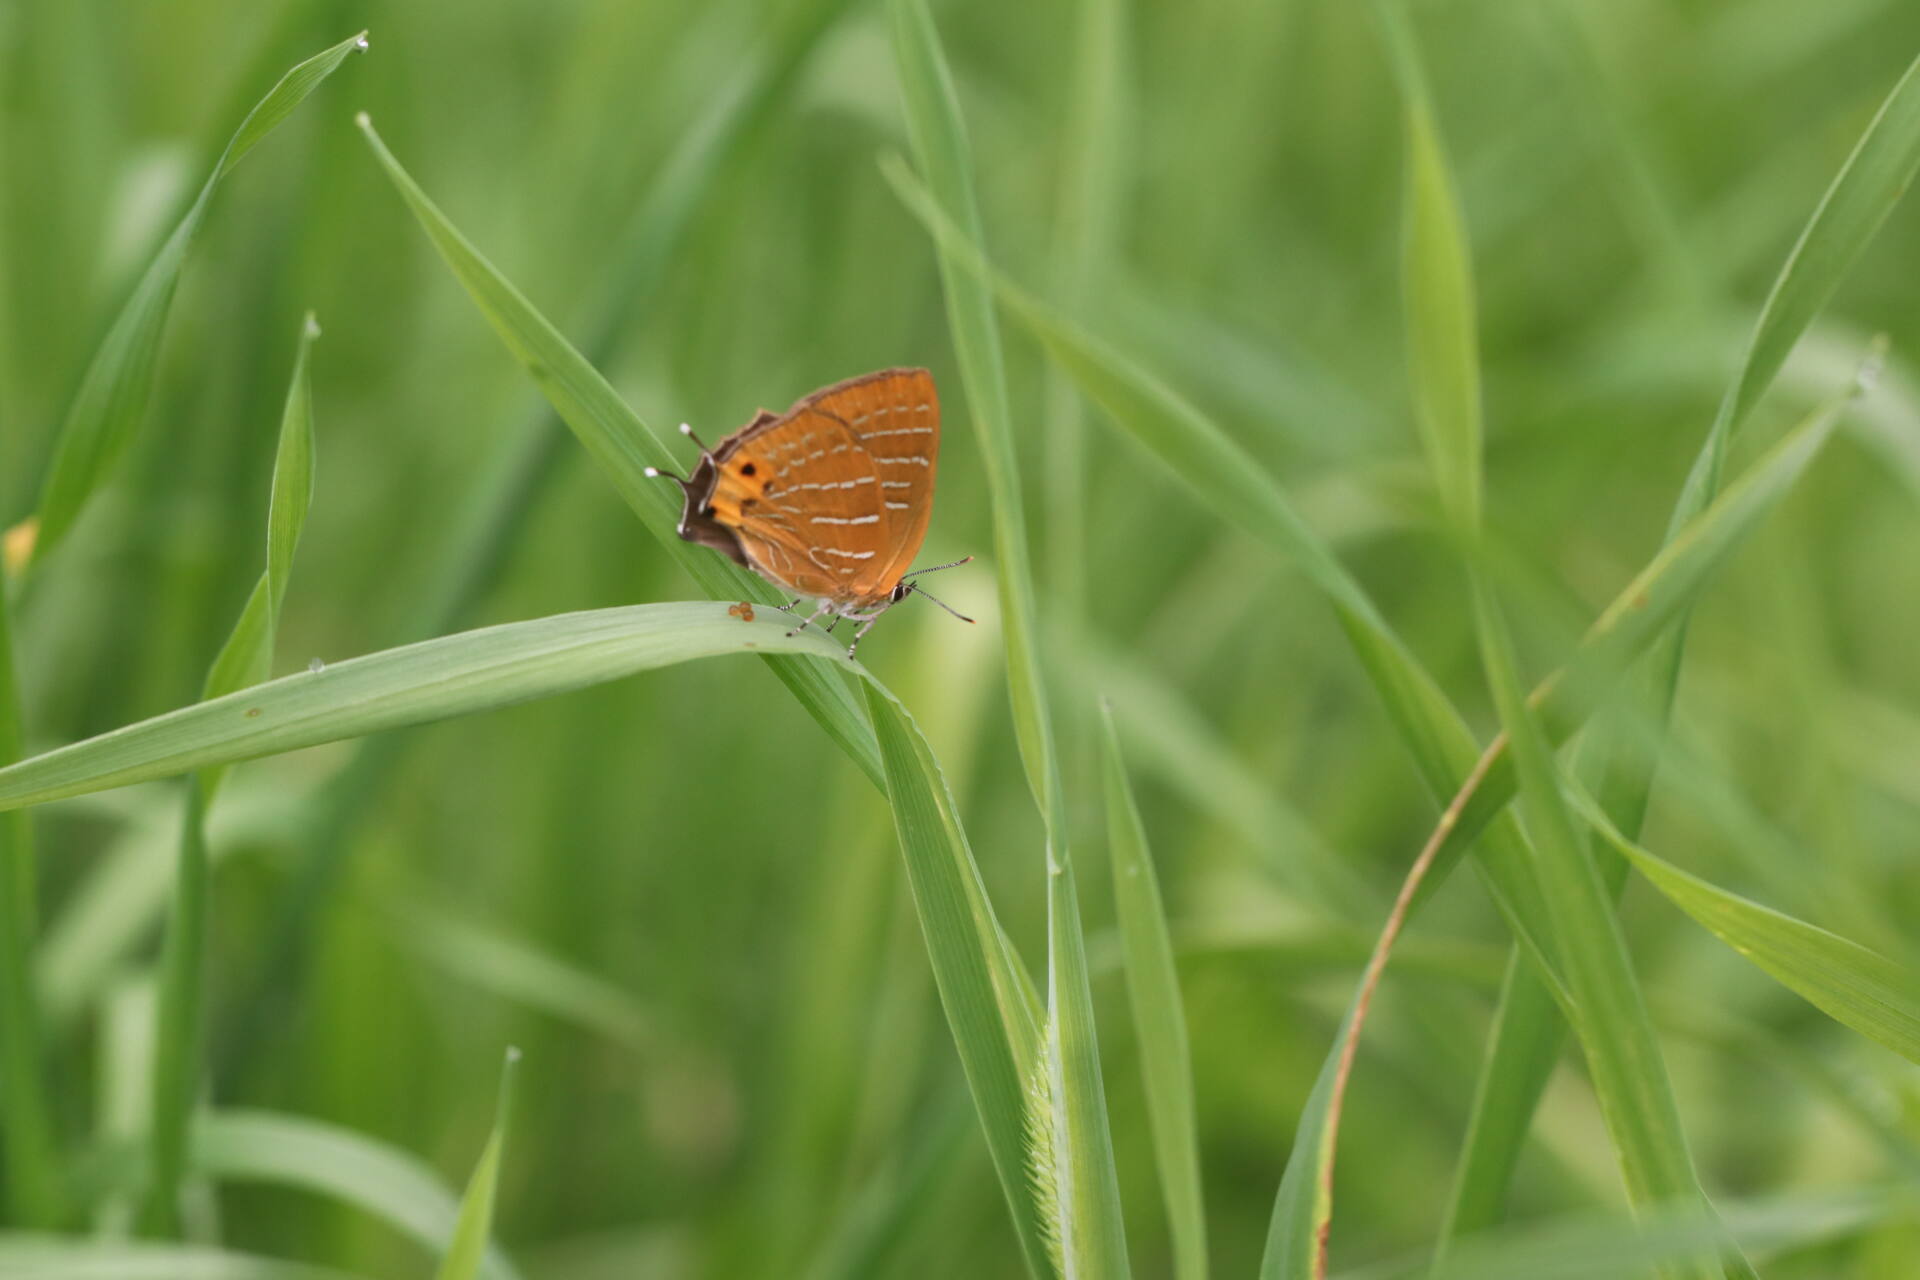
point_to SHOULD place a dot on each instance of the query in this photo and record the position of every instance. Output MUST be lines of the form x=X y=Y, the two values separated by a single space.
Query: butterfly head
x=697 y=522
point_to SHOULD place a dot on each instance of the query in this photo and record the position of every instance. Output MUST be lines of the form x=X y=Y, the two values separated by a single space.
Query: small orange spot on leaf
x=252 y=712
x=742 y=611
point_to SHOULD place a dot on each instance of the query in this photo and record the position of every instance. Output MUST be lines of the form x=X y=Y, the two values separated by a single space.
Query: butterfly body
x=829 y=500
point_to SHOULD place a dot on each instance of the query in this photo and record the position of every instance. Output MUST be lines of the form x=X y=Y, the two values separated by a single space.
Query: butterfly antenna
x=936 y=599
x=687 y=431
x=955 y=564
x=653 y=473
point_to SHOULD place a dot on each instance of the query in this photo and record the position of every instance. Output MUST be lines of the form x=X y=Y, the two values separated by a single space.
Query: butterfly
x=829 y=500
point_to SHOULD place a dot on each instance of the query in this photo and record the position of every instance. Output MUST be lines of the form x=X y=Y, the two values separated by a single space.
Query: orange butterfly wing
x=895 y=416
x=833 y=498
x=803 y=498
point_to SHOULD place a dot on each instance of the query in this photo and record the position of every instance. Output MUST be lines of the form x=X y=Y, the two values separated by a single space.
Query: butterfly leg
x=802 y=624
x=790 y=605
x=866 y=621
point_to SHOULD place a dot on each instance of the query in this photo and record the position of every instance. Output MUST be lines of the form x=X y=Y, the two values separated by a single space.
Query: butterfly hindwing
x=894 y=416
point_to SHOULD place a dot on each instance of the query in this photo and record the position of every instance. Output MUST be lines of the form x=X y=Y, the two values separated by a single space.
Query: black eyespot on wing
x=748 y=469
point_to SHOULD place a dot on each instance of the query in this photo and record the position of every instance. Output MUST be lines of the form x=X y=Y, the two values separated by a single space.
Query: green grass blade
x=1443 y=352
x=292 y=478
x=292 y=1151
x=178 y=1048
x=33 y=1196
x=466 y=1255
x=245 y=660
x=1875 y=176
x=1088 y=1231
x=1086 y=229
x=1296 y=1234
x=988 y=998
x=1442 y=322
x=940 y=146
x=415 y=684
x=61 y=1258
x=113 y=395
x=247 y=657
x=1610 y=1015
x=1442 y=318
x=623 y=447
x=1160 y=1023
x=1854 y=985
x=1092 y=1233
x=1522 y=1049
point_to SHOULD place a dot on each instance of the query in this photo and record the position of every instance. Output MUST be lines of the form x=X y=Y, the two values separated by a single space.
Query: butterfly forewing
x=895 y=416
x=803 y=497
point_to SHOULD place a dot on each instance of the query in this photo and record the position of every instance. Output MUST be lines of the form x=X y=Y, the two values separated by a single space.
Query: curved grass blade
x=113 y=395
x=1609 y=1013
x=265 y=1146
x=988 y=998
x=622 y=447
x=1297 y=1232
x=245 y=659
x=433 y=680
x=1854 y=985
x=466 y=1255
x=1160 y=1024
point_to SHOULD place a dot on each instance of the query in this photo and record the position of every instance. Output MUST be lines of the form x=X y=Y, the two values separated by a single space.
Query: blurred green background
x=671 y=892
